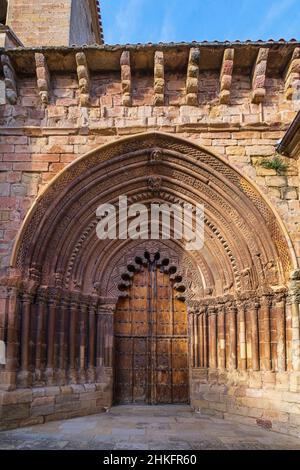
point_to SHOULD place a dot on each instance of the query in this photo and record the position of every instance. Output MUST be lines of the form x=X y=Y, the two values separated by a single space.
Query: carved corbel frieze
x=292 y=76
x=226 y=76
x=259 y=76
x=43 y=77
x=159 y=79
x=10 y=80
x=192 y=81
x=83 y=78
x=126 y=78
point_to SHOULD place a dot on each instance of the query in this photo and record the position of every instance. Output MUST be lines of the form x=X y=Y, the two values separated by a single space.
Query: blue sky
x=132 y=21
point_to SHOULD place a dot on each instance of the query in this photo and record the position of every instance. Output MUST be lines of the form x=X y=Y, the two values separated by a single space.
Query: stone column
x=221 y=337
x=3 y=303
x=201 y=342
x=62 y=340
x=296 y=334
x=241 y=328
x=281 y=338
x=253 y=309
x=40 y=335
x=10 y=318
x=294 y=301
x=109 y=337
x=264 y=333
x=273 y=334
x=190 y=313
x=25 y=375
x=93 y=304
x=196 y=344
x=74 y=308
x=52 y=310
x=104 y=344
x=100 y=340
x=232 y=348
x=205 y=338
x=83 y=315
x=212 y=335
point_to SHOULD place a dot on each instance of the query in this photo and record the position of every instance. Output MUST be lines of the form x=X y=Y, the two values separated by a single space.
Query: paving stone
x=101 y=446
x=133 y=428
x=248 y=446
x=130 y=446
x=208 y=444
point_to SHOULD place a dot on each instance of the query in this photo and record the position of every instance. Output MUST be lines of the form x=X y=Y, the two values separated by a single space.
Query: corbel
x=126 y=78
x=192 y=81
x=159 y=79
x=226 y=76
x=83 y=78
x=292 y=75
x=259 y=76
x=43 y=77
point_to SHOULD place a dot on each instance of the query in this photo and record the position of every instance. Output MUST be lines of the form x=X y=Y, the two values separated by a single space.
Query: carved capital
x=106 y=309
x=42 y=295
x=226 y=76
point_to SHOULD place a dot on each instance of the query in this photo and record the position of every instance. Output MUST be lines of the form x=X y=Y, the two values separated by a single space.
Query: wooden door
x=151 y=342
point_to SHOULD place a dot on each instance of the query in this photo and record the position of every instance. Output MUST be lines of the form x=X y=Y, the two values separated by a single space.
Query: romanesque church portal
x=88 y=323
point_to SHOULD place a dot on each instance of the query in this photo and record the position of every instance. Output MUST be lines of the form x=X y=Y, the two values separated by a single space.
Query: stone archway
x=65 y=282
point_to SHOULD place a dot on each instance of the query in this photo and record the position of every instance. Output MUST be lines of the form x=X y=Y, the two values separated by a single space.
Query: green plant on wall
x=275 y=163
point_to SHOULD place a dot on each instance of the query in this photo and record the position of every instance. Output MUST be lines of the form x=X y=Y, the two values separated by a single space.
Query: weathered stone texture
x=83 y=80
x=245 y=402
x=45 y=152
x=19 y=409
x=54 y=23
x=230 y=115
x=43 y=77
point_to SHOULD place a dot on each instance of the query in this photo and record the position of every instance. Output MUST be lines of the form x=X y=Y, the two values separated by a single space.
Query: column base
x=24 y=379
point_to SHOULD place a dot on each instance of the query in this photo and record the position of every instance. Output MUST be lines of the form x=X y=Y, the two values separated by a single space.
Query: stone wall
x=82 y=24
x=268 y=399
x=37 y=142
x=45 y=128
x=29 y=406
x=53 y=23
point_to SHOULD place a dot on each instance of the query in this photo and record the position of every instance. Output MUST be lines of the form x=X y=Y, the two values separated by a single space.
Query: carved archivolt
x=245 y=248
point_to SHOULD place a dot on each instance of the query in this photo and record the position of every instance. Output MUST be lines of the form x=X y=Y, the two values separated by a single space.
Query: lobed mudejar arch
x=65 y=283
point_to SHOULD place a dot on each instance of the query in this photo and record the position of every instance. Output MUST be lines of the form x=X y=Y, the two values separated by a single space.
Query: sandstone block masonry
x=38 y=141
x=55 y=23
x=217 y=96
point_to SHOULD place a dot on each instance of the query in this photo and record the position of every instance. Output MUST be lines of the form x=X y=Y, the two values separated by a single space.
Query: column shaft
x=242 y=345
x=221 y=338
